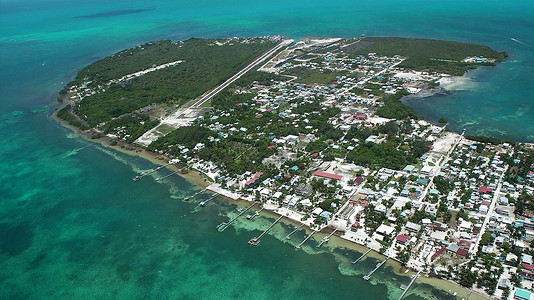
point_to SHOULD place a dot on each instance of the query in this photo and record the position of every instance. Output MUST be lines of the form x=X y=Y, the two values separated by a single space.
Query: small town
x=318 y=134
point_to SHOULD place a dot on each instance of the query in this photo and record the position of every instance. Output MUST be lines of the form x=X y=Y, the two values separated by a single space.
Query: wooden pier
x=221 y=227
x=166 y=176
x=255 y=241
x=203 y=203
x=194 y=195
x=409 y=285
x=326 y=238
x=288 y=237
x=360 y=258
x=368 y=276
x=255 y=214
x=143 y=174
x=307 y=238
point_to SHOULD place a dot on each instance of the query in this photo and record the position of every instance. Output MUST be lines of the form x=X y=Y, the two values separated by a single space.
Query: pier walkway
x=409 y=285
x=307 y=238
x=360 y=258
x=288 y=237
x=143 y=174
x=326 y=238
x=203 y=203
x=166 y=176
x=195 y=194
x=252 y=216
x=255 y=241
x=221 y=227
x=368 y=276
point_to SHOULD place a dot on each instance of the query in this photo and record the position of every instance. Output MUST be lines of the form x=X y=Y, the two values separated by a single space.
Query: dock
x=255 y=241
x=288 y=237
x=307 y=238
x=409 y=285
x=252 y=216
x=360 y=258
x=166 y=176
x=326 y=238
x=203 y=203
x=143 y=174
x=221 y=227
x=380 y=264
x=194 y=195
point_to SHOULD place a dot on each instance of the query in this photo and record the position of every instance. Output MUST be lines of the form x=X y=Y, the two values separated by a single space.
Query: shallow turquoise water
x=74 y=225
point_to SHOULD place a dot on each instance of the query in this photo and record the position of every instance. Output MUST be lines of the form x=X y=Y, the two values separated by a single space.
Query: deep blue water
x=76 y=225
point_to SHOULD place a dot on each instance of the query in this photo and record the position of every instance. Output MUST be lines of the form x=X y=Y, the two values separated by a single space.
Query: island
x=316 y=131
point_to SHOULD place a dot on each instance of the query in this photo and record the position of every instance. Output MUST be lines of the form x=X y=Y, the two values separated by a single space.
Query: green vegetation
x=204 y=66
x=488 y=140
x=69 y=118
x=430 y=55
x=393 y=108
x=131 y=126
x=262 y=78
x=311 y=76
x=387 y=155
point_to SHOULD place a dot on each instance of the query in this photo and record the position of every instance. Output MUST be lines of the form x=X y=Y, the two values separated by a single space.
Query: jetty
x=326 y=238
x=380 y=264
x=203 y=203
x=307 y=238
x=194 y=195
x=409 y=285
x=288 y=237
x=166 y=176
x=221 y=227
x=360 y=258
x=255 y=214
x=143 y=174
x=255 y=241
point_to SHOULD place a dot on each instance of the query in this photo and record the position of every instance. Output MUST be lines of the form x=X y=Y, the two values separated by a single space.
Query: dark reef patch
x=15 y=238
x=115 y=13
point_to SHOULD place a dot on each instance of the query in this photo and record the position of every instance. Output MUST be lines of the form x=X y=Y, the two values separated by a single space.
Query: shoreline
x=339 y=242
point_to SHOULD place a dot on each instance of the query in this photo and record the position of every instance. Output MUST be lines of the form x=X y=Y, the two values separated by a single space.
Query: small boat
x=136 y=178
x=202 y=203
x=249 y=217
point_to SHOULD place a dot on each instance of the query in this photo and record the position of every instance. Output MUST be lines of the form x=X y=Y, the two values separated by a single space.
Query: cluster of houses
x=440 y=209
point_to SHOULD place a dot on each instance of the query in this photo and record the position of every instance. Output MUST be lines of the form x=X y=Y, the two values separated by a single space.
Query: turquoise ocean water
x=74 y=225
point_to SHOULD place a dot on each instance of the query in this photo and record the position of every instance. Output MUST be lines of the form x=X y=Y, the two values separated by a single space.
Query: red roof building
x=358 y=180
x=461 y=252
x=320 y=173
x=484 y=189
x=403 y=238
x=438 y=253
x=253 y=179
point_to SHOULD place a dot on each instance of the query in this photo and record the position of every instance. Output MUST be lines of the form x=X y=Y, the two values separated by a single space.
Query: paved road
x=225 y=84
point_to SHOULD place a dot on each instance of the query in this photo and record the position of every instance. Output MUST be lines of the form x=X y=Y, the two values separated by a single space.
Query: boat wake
x=518 y=41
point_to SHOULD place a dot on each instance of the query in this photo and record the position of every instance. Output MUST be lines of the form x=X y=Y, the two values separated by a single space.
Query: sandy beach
x=290 y=217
